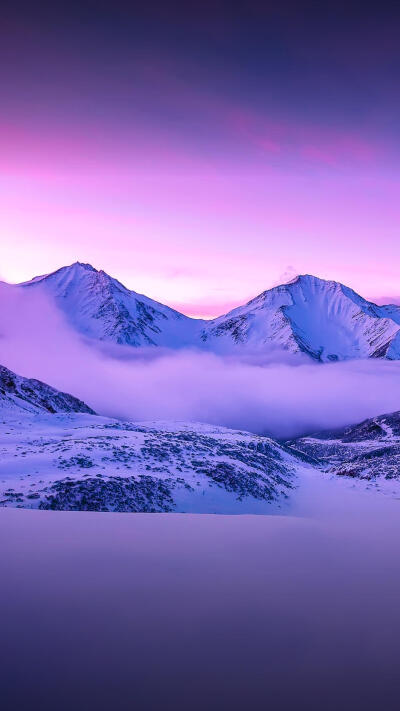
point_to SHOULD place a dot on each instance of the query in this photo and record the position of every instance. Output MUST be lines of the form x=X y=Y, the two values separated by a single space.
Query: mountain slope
x=369 y=450
x=18 y=394
x=102 y=308
x=79 y=462
x=323 y=319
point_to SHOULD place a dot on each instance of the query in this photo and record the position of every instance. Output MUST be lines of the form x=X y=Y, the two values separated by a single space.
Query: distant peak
x=305 y=277
x=299 y=278
x=303 y=280
x=293 y=280
x=83 y=265
x=69 y=269
x=309 y=279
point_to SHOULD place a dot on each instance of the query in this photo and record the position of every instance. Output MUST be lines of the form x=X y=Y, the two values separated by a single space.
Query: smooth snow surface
x=169 y=611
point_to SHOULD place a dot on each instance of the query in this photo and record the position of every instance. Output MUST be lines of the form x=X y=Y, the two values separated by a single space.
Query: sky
x=200 y=152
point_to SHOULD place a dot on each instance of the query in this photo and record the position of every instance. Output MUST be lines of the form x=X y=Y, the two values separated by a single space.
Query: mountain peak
x=302 y=280
x=82 y=265
x=324 y=319
x=67 y=269
x=102 y=308
x=309 y=279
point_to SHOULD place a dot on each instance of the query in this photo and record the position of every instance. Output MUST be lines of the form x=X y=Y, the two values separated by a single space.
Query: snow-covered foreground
x=78 y=461
x=182 y=611
x=74 y=461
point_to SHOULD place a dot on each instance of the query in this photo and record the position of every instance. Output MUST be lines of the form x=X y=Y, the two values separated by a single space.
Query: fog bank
x=277 y=393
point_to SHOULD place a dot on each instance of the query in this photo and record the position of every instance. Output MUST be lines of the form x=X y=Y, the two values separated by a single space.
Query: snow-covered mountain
x=323 y=319
x=100 y=307
x=369 y=450
x=18 y=394
x=82 y=462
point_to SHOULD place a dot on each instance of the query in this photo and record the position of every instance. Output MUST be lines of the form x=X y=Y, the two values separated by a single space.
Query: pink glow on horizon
x=206 y=243
x=208 y=310
x=202 y=218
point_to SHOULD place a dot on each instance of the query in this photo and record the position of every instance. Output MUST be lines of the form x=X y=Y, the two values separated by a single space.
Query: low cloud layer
x=276 y=393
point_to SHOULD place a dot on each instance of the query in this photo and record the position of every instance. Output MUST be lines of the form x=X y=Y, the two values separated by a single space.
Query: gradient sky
x=201 y=153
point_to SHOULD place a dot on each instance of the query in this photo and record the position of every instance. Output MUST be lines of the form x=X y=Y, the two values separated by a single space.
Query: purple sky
x=202 y=156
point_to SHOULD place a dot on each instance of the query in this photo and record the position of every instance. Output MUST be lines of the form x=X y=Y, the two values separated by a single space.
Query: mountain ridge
x=323 y=319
